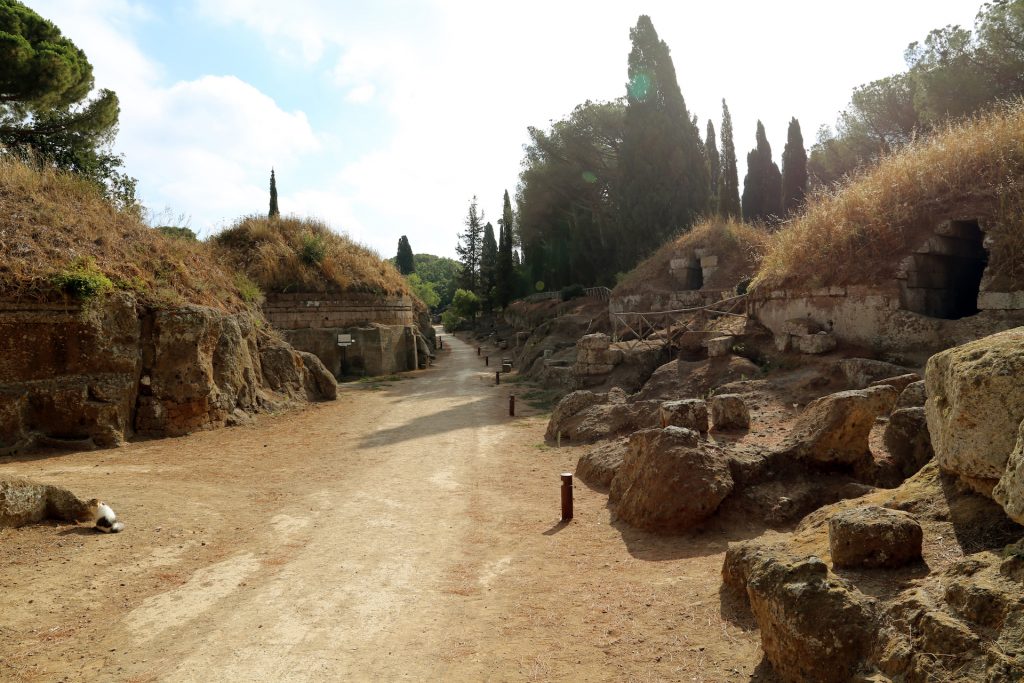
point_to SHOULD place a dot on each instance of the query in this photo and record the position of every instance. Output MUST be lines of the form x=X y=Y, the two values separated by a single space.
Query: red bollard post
x=478 y=350
x=487 y=360
x=497 y=378
x=566 y=496
x=511 y=406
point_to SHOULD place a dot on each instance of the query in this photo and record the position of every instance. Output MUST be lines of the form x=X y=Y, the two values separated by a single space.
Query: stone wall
x=874 y=317
x=75 y=377
x=300 y=310
x=384 y=330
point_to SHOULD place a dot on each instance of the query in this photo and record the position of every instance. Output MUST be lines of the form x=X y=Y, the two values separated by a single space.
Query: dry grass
x=739 y=247
x=53 y=222
x=859 y=233
x=293 y=254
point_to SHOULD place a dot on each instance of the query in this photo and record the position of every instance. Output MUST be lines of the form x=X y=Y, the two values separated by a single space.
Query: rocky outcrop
x=907 y=440
x=913 y=396
x=570 y=406
x=1009 y=492
x=25 y=502
x=729 y=411
x=861 y=372
x=91 y=377
x=792 y=599
x=976 y=403
x=835 y=428
x=873 y=537
x=689 y=413
x=600 y=464
x=670 y=480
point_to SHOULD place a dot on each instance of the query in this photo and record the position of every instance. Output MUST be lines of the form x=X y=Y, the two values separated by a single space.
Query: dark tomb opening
x=944 y=276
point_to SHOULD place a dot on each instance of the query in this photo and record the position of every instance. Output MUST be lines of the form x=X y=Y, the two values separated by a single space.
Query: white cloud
x=361 y=94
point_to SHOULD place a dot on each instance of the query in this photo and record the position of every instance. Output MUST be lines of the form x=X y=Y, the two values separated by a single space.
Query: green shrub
x=314 y=249
x=177 y=233
x=250 y=291
x=82 y=279
x=451 y=320
x=573 y=292
x=465 y=303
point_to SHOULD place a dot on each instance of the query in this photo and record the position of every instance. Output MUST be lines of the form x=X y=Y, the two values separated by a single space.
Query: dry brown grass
x=51 y=221
x=739 y=247
x=859 y=233
x=293 y=254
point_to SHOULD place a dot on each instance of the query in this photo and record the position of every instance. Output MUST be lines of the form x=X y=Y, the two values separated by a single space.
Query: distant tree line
x=604 y=187
x=953 y=73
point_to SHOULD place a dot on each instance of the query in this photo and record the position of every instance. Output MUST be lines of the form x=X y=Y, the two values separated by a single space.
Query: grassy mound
x=292 y=254
x=859 y=233
x=59 y=237
x=739 y=248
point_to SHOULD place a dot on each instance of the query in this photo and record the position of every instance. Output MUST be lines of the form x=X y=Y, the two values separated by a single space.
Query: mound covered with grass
x=59 y=237
x=303 y=255
x=859 y=233
x=739 y=248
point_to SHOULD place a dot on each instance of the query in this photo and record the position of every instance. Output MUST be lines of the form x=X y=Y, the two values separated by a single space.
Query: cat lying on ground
x=24 y=502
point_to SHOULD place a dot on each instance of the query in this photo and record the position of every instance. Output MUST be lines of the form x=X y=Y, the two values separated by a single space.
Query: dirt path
x=404 y=532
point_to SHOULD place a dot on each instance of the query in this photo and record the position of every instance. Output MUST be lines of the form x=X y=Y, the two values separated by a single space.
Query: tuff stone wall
x=383 y=329
x=302 y=310
x=874 y=317
x=74 y=377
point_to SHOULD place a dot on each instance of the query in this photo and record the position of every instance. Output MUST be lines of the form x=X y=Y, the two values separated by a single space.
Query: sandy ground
x=407 y=531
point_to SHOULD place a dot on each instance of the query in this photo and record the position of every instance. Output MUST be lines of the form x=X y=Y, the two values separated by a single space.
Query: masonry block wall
x=301 y=310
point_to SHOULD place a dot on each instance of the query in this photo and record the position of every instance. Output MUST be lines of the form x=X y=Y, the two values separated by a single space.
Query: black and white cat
x=106 y=518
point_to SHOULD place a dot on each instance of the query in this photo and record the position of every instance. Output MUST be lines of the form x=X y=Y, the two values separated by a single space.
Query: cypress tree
x=468 y=249
x=762 y=186
x=728 y=178
x=665 y=182
x=404 y=260
x=506 y=267
x=794 y=169
x=714 y=160
x=274 y=212
x=488 y=267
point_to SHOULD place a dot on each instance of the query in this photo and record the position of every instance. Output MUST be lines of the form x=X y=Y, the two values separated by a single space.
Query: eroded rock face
x=913 y=396
x=860 y=372
x=669 y=480
x=813 y=626
x=689 y=413
x=570 y=405
x=873 y=537
x=89 y=378
x=976 y=403
x=600 y=464
x=907 y=439
x=1009 y=492
x=835 y=428
x=899 y=383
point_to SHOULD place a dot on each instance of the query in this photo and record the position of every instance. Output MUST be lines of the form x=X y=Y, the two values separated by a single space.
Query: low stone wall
x=383 y=330
x=300 y=310
x=873 y=317
x=667 y=301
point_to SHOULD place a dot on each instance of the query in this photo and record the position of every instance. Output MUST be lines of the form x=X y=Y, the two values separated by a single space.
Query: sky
x=386 y=118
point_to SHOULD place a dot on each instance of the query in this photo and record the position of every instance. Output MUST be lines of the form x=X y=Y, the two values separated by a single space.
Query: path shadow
x=481 y=412
x=558 y=526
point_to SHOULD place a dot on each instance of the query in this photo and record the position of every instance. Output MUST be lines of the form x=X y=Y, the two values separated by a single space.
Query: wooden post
x=487 y=360
x=478 y=350
x=566 y=496
x=511 y=406
x=497 y=378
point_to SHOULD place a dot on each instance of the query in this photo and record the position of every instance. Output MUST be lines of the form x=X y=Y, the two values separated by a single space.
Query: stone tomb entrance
x=942 y=278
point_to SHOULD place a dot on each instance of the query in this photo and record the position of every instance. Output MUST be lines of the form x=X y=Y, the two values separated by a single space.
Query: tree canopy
x=404 y=259
x=794 y=168
x=952 y=73
x=664 y=179
x=728 y=179
x=45 y=109
x=762 y=186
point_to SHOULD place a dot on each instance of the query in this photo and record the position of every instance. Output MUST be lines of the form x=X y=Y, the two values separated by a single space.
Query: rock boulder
x=669 y=480
x=729 y=411
x=835 y=428
x=600 y=464
x=873 y=537
x=976 y=403
x=907 y=439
